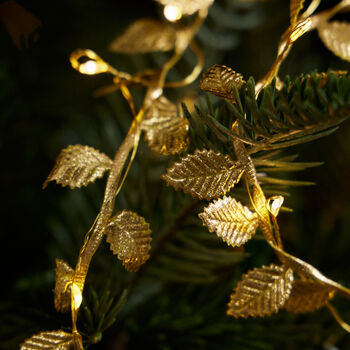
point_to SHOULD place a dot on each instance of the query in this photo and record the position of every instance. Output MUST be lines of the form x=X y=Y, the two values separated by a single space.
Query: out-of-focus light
x=274 y=204
x=94 y=65
x=89 y=67
x=156 y=93
x=77 y=296
x=172 y=13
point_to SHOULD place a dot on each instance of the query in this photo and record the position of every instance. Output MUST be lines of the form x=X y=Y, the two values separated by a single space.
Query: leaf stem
x=337 y=317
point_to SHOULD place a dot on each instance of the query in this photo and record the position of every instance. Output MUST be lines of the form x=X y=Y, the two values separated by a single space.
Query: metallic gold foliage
x=336 y=36
x=78 y=165
x=231 y=221
x=261 y=292
x=204 y=174
x=145 y=35
x=307 y=296
x=62 y=291
x=294 y=10
x=53 y=340
x=166 y=132
x=187 y=7
x=219 y=81
x=130 y=238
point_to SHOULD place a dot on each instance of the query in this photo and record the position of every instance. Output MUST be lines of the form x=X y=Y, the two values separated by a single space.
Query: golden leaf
x=261 y=292
x=294 y=10
x=204 y=174
x=62 y=291
x=78 y=165
x=336 y=36
x=187 y=7
x=166 y=132
x=53 y=340
x=145 y=35
x=307 y=296
x=219 y=81
x=130 y=238
x=231 y=221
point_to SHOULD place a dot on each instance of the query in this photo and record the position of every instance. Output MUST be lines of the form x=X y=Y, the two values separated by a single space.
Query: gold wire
x=337 y=317
x=254 y=206
x=195 y=72
x=128 y=97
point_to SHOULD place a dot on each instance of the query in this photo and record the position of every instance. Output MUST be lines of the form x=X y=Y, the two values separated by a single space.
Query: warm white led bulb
x=77 y=297
x=89 y=67
x=274 y=204
x=172 y=13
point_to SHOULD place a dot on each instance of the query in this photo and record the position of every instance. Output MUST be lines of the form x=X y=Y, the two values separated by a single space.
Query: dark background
x=45 y=105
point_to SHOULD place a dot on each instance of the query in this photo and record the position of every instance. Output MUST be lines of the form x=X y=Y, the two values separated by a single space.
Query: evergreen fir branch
x=100 y=310
x=309 y=107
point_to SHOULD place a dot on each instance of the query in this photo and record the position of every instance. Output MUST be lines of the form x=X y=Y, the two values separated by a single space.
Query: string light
x=172 y=13
x=77 y=296
x=94 y=65
x=274 y=204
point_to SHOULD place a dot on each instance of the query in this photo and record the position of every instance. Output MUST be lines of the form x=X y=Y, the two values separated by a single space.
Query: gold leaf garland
x=219 y=81
x=231 y=221
x=204 y=174
x=166 y=132
x=145 y=35
x=130 y=238
x=261 y=292
x=78 y=165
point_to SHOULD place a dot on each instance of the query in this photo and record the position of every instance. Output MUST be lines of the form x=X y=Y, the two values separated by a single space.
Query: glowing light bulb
x=94 y=65
x=77 y=297
x=274 y=204
x=156 y=93
x=172 y=13
x=89 y=67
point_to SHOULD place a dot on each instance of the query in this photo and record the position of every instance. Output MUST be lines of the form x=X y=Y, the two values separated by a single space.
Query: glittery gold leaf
x=187 y=7
x=231 y=221
x=78 y=165
x=204 y=174
x=130 y=238
x=261 y=292
x=166 y=132
x=53 y=340
x=307 y=296
x=295 y=8
x=219 y=81
x=145 y=35
x=336 y=36
x=62 y=294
